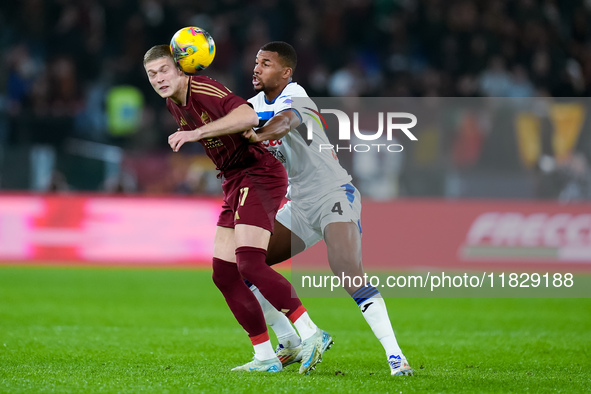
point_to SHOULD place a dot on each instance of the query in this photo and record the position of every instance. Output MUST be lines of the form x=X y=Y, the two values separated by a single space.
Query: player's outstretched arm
x=276 y=128
x=239 y=119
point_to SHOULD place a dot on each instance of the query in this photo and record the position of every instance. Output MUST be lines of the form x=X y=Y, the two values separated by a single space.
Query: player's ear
x=178 y=69
x=287 y=72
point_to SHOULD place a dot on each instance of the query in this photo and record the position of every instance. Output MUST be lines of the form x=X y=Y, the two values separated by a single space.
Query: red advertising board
x=471 y=234
x=402 y=234
x=111 y=230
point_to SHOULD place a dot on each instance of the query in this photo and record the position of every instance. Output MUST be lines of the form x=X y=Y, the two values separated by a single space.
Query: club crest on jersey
x=205 y=117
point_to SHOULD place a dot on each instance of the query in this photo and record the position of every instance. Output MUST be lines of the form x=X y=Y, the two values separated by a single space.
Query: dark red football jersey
x=207 y=101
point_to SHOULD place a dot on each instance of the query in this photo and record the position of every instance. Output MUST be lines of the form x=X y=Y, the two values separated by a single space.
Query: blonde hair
x=156 y=52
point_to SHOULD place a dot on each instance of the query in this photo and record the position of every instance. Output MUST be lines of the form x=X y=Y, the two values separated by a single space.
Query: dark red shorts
x=253 y=195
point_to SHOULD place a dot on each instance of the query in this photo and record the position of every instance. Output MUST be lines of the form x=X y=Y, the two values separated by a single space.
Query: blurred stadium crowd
x=72 y=70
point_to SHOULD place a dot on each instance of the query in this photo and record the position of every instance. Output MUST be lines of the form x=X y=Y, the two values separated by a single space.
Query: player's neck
x=272 y=94
x=180 y=98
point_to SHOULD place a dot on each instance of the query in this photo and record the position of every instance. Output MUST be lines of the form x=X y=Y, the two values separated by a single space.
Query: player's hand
x=251 y=135
x=179 y=138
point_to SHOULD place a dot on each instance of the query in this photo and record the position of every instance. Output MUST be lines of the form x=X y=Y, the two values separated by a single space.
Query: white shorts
x=307 y=218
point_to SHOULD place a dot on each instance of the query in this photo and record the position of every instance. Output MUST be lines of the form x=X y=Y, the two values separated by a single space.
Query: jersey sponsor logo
x=279 y=156
x=183 y=122
x=272 y=143
x=212 y=143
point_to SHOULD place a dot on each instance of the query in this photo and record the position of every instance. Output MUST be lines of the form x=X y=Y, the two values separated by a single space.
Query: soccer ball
x=193 y=49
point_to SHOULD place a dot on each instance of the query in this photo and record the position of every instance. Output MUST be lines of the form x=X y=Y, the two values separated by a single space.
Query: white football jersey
x=310 y=170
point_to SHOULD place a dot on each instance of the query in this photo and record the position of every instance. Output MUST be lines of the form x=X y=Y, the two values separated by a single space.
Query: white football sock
x=305 y=326
x=375 y=313
x=279 y=323
x=264 y=351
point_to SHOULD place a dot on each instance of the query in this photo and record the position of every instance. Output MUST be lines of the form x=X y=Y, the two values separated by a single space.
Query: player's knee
x=224 y=273
x=246 y=269
x=345 y=263
x=250 y=261
x=218 y=280
x=343 y=255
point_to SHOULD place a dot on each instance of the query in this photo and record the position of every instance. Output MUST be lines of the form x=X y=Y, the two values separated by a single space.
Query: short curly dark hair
x=286 y=52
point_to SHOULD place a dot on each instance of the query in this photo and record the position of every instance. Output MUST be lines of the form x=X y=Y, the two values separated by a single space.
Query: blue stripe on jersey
x=294 y=110
x=349 y=190
x=363 y=294
x=275 y=99
x=265 y=115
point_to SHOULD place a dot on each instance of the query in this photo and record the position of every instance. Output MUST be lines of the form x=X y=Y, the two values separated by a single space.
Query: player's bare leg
x=224 y=245
x=343 y=243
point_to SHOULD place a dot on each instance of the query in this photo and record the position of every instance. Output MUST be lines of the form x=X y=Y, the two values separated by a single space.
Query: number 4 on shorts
x=337 y=208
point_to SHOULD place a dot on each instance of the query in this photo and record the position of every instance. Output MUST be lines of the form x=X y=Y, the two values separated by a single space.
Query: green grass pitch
x=92 y=330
